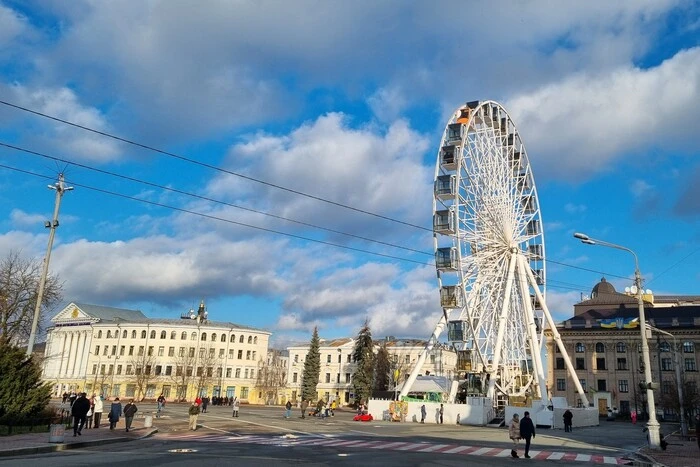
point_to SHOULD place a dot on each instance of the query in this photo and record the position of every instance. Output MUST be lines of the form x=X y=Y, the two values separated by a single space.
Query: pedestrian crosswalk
x=396 y=446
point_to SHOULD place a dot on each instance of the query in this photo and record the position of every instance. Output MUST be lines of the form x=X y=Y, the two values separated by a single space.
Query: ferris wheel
x=490 y=253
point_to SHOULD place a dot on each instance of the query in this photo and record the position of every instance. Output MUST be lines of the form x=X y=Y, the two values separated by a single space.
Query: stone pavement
x=679 y=453
x=37 y=443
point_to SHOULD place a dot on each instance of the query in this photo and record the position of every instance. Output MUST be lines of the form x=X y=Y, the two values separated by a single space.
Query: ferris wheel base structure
x=490 y=260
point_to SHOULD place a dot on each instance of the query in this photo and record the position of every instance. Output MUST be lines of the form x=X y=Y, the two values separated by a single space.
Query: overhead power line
x=209 y=166
x=217 y=218
x=205 y=198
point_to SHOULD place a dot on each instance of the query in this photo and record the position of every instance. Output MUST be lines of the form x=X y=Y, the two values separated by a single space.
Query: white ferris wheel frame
x=490 y=254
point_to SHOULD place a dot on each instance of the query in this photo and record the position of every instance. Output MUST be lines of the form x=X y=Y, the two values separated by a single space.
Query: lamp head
x=588 y=241
x=581 y=236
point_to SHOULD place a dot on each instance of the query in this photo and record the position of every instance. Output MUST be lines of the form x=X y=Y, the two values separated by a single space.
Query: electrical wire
x=209 y=216
x=209 y=166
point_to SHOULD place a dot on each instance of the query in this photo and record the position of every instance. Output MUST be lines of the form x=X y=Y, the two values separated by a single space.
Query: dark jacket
x=527 y=428
x=194 y=410
x=81 y=407
x=130 y=409
x=568 y=416
x=115 y=411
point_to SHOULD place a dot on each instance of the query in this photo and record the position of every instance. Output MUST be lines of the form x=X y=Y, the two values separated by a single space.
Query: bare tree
x=19 y=281
x=272 y=376
x=185 y=363
x=206 y=362
x=143 y=372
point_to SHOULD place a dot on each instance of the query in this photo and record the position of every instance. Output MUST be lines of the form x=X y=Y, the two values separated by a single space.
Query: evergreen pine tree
x=312 y=370
x=382 y=375
x=363 y=355
x=22 y=392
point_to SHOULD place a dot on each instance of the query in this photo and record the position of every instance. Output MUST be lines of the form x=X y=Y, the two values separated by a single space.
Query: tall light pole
x=679 y=381
x=52 y=225
x=653 y=424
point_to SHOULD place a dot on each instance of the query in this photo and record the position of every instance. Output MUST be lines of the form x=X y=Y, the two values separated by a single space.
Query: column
x=73 y=357
x=62 y=351
x=81 y=353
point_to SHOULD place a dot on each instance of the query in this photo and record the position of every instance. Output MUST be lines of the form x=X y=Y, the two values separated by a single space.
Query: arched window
x=183 y=336
x=580 y=348
x=250 y=339
x=194 y=336
x=241 y=339
x=255 y=340
x=173 y=334
x=599 y=347
x=143 y=334
x=688 y=347
x=133 y=334
x=124 y=334
x=621 y=347
x=99 y=334
x=223 y=338
x=204 y=336
x=109 y=334
x=233 y=338
x=213 y=337
x=163 y=334
x=665 y=347
x=153 y=334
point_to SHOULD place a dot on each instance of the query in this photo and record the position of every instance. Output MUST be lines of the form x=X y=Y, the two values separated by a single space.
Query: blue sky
x=343 y=101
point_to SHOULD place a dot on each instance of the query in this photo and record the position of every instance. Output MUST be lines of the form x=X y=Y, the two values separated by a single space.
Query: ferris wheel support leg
x=538 y=368
x=557 y=339
x=423 y=355
x=502 y=319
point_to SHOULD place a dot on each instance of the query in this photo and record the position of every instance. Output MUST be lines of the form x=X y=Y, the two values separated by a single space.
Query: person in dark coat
x=568 y=418
x=423 y=413
x=115 y=411
x=130 y=410
x=79 y=411
x=527 y=431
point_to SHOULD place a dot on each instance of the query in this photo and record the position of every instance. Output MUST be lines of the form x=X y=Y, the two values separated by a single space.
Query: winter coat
x=514 y=429
x=81 y=407
x=527 y=428
x=115 y=411
x=304 y=405
x=99 y=405
x=568 y=416
x=288 y=405
x=194 y=410
x=130 y=409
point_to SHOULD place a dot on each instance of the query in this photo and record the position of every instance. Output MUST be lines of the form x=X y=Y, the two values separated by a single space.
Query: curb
x=68 y=446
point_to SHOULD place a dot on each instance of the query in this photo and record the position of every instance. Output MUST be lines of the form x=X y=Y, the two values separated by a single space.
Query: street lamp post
x=652 y=424
x=679 y=381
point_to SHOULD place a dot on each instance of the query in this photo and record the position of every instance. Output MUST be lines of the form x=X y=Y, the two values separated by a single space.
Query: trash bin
x=148 y=420
x=56 y=433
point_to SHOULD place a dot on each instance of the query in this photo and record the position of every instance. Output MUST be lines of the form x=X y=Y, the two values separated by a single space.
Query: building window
x=407 y=359
x=204 y=336
x=602 y=385
x=349 y=358
x=114 y=350
x=223 y=338
x=347 y=377
x=119 y=369
x=219 y=372
x=666 y=364
x=173 y=334
x=255 y=340
x=296 y=358
x=99 y=334
x=181 y=352
x=143 y=334
x=221 y=353
x=230 y=353
x=560 y=363
x=600 y=363
x=192 y=351
x=105 y=350
x=171 y=351
x=579 y=348
x=94 y=369
x=294 y=377
x=131 y=350
x=583 y=383
x=228 y=372
x=622 y=386
x=211 y=353
x=109 y=334
x=213 y=337
x=183 y=336
x=244 y=393
x=337 y=378
x=193 y=337
x=233 y=338
x=328 y=377
x=97 y=350
x=129 y=370
x=153 y=334
x=241 y=339
x=250 y=339
x=247 y=355
x=133 y=334
x=246 y=373
x=254 y=354
x=690 y=364
x=688 y=347
x=665 y=347
x=200 y=371
x=621 y=363
x=599 y=347
x=168 y=370
x=666 y=387
x=163 y=334
x=161 y=351
x=240 y=355
x=238 y=372
x=201 y=352
x=340 y=358
x=561 y=384
x=159 y=370
x=580 y=364
x=150 y=350
x=328 y=358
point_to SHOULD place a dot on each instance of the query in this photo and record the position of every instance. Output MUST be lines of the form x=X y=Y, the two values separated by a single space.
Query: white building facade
x=122 y=353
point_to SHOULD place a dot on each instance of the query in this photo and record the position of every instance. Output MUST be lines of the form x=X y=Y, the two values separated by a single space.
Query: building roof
x=107 y=313
x=663 y=317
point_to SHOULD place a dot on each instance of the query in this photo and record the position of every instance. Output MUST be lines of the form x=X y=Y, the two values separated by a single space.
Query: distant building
x=604 y=343
x=120 y=352
x=338 y=367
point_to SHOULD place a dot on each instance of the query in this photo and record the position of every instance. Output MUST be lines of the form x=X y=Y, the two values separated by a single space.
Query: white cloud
x=12 y=25
x=20 y=218
x=581 y=126
x=640 y=188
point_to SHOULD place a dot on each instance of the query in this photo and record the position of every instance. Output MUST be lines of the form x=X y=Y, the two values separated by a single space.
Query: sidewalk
x=37 y=443
x=679 y=453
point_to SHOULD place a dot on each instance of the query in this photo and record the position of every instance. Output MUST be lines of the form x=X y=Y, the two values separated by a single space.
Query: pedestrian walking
x=633 y=416
x=568 y=420
x=304 y=406
x=236 y=407
x=194 y=414
x=423 y=413
x=115 y=411
x=527 y=432
x=79 y=411
x=514 y=434
x=130 y=410
x=288 y=411
x=99 y=408
x=205 y=404
x=442 y=411
x=161 y=405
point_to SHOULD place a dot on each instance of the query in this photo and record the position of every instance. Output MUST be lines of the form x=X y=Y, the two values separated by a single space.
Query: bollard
x=148 y=420
x=56 y=433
